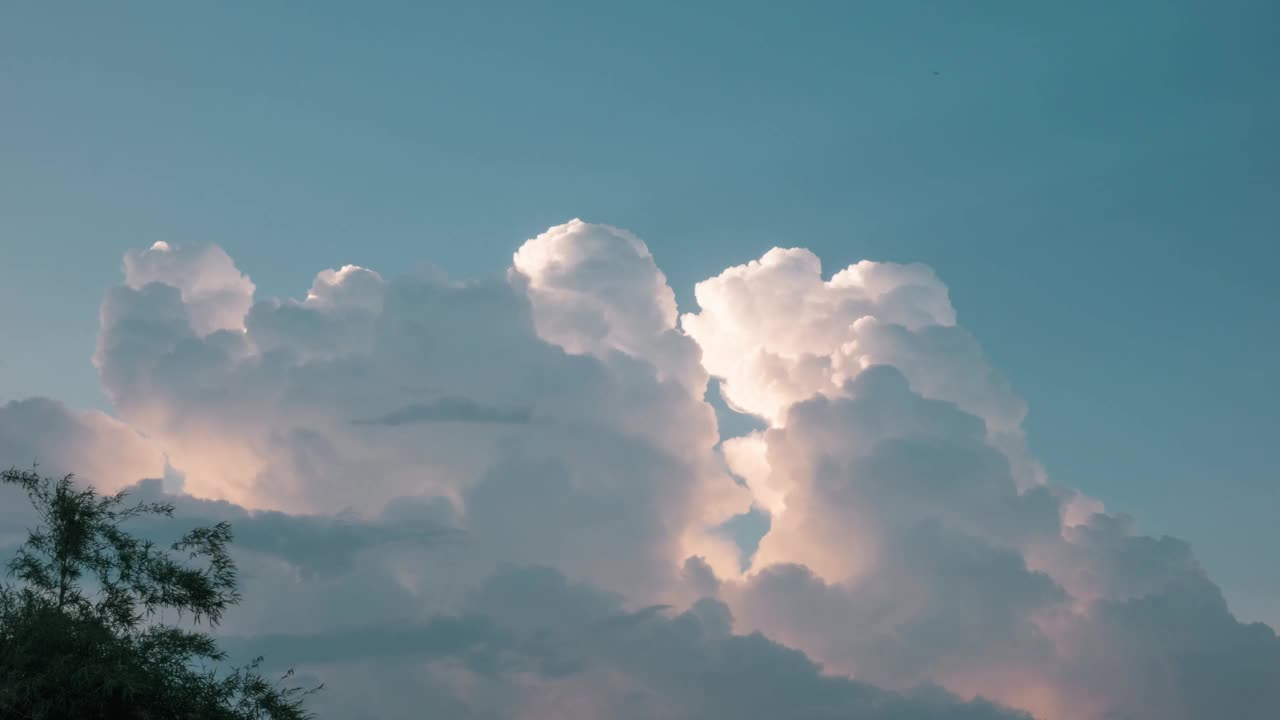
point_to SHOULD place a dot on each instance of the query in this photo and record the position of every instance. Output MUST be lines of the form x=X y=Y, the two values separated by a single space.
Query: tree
x=81 y=633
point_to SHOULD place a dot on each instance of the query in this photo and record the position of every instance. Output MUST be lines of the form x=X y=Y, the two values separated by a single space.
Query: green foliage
x=81 y=634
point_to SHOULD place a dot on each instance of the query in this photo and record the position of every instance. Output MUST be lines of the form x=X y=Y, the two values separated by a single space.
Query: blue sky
x=1095 y=182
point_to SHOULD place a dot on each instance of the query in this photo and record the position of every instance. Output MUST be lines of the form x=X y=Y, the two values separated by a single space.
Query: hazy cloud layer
x=505 y=499
x=96 y=447
x=450 y=409
x=532 y=645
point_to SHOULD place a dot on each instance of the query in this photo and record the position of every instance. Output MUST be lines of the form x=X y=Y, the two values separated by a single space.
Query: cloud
x=509 y=499
x=879 y=459
x=913 y=537
x=95 y=446
x=775 y=333
x=534 y=645
x=623 y=453
x=215 y=293
x=595 y=289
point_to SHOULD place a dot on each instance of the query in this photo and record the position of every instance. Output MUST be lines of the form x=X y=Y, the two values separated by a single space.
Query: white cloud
x=369 y=390
x=596 y=289
x=215 y=293
x=914 y=538
x=401 y=452
x=776 y=333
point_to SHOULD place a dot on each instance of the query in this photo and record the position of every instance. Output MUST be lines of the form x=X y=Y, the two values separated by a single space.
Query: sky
x=1092 y=186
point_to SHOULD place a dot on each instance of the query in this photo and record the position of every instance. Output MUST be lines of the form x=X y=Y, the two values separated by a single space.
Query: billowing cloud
x=215 y=293
x=507 y=499
x=914 y=538
x=369 y=390
x=596 y=289
x=775 y=333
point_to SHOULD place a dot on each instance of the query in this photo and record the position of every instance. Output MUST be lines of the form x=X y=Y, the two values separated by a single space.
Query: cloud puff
x=508 y=499
x=879 y=459
x=215 y=293
x=596 y=289
x=776 y=333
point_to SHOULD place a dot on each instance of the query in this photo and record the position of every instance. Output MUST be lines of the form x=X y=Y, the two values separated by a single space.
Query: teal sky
x=1098 y=183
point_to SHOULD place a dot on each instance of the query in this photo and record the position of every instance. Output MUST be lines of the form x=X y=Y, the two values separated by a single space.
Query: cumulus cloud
x=215 y=293
x=596 y=289
x=878 y=459
x=775 y=333
x=912 y=535
x=369 y=390
x=508 y=499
